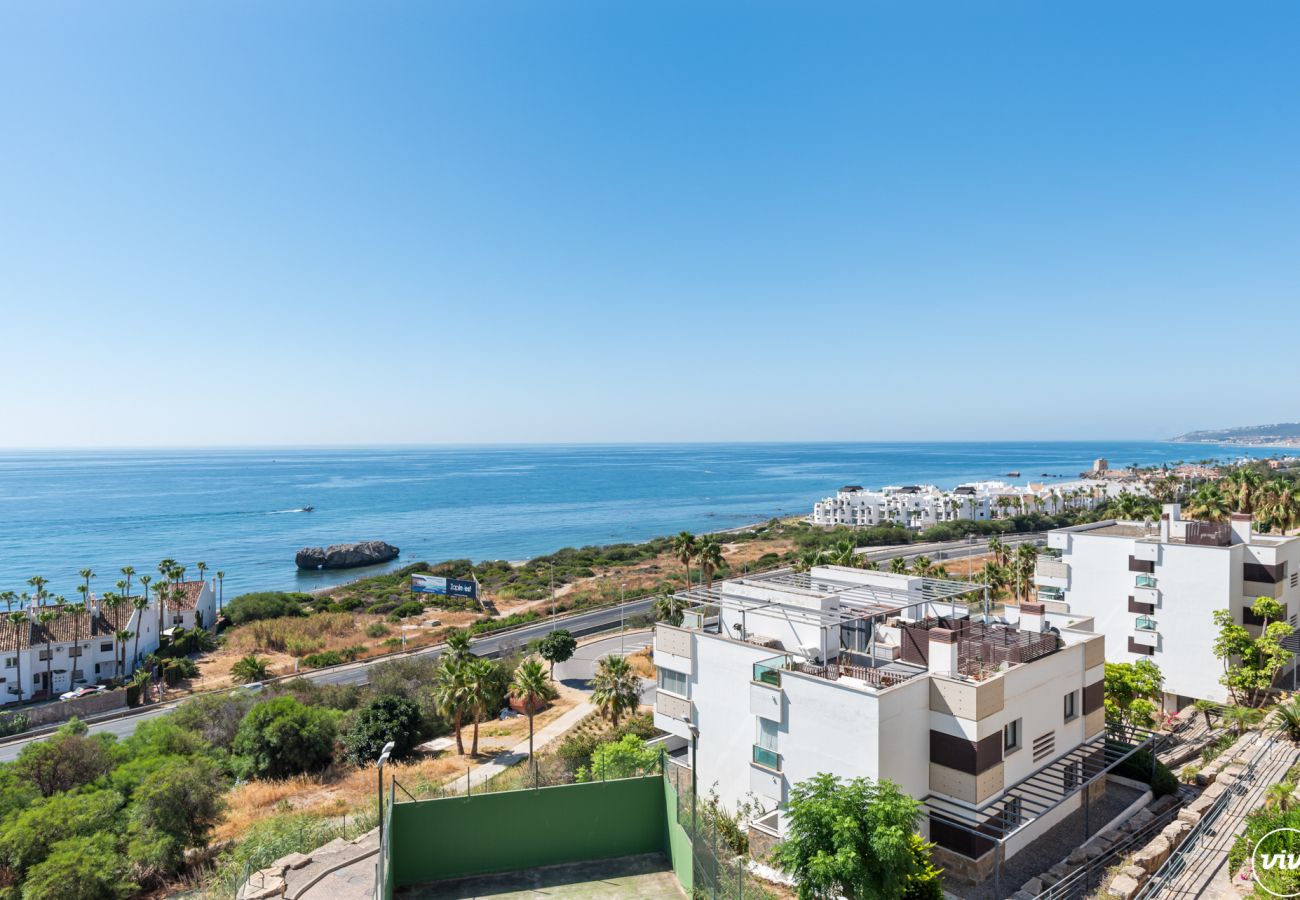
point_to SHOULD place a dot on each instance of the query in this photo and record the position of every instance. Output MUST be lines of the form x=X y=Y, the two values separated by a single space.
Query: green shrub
x=1138 y=767
x=485 y=625
x=408 y=609
x=379 y=609
x=81 y=868
x=376 y=630
x=282 y=737
x=214 y=717
x=179 y=669
x=387 y=718
x=267 y=605
x=320 y=660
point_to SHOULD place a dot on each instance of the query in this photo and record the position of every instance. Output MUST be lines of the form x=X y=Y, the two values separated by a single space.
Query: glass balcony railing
x=769 y=670
x=767 y=758
x=1146 y=581
x=1145 y=623
x=1051 y=593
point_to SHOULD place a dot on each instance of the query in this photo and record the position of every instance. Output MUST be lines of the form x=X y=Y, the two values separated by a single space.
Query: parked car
x=84 y=692
x=251 y=688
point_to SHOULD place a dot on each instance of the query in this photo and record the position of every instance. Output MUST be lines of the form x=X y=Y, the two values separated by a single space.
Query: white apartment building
x=1153 y=589
x=998 y=730
x=82 y=647
x=921 y=506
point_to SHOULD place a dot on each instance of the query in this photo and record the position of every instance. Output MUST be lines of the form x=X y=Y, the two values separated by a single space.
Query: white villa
x=920 y=506
x=82 y=648
x=1152 y=589
x=998 y=730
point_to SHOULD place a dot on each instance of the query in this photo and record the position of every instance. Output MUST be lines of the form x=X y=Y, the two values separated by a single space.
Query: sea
x=242 y=511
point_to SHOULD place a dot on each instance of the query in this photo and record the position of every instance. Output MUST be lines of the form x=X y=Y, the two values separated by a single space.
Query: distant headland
x=1284 y=434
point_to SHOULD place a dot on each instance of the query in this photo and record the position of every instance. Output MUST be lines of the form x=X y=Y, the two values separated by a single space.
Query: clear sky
x=380 y=222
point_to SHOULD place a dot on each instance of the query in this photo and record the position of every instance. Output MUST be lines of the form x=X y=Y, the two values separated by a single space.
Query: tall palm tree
x=8 y=598
x=458 y=645
x=78 y=612
x=140 y=603
x=709 y=553
x=1207 y=503
x=684 y=547
x=450 y=693
x=37 y=582
x=481 y=685
x=221 y=590
x=122 y=635
x=129 y=572
x=999 y=550
x=46 y=619
x=616 y=689
x=1026 y=565
x=113 y=604
x=86 y=575
x=160 y=590
x=19 y=620
x=202 y=567
x=533 y=688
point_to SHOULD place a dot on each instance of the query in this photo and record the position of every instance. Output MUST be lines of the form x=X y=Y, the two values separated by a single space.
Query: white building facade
x=1152 y=590
x=921 y=506
x=860 y=673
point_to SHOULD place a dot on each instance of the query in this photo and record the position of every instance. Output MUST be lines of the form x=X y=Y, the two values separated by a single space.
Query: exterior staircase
x=341 y=869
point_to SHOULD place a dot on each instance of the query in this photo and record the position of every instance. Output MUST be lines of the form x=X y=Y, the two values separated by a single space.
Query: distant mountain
x=1282 y=433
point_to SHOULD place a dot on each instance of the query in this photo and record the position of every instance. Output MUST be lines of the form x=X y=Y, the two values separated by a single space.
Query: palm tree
x=19 y=620
x=140 y=603
x=533 y=688
x=250 y=668
x=710 y=556
x=842 y=554
x=128 y=571
x=999 y=550
x=1206 y=708
x=458 y=641
x=809 y=558
x=160 y=597
x=1241 y=717
x=483 y=687
x=615 y=688
x=450 y=693
x=684 y=547
x=113 y=603
x=1026 y=564
x=1288 y=721
x=86 y=575
x=46 y=619
x=1207 y=503
x=77 y=611
x=37 y=582
x=202 y=567
x=221 y=590
x=898 y=565
x=122 y=635
x=922 y=566
x=1279 y=795
x=669 y=608
x=8 y=598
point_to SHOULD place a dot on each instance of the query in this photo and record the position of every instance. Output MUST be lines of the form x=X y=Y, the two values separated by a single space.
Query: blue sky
x=314 y=223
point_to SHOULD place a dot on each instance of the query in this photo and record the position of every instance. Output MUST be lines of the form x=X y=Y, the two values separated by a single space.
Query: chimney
x=1033 y=617
x=1241 y=528
x=943 y=651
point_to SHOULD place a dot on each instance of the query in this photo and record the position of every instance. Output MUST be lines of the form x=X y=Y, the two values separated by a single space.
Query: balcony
x=769 y=670
x=1050 y=595
x=768 y=759
x=1052 y=573
x=1146 y=581
x=673 y=706
x=1145 y=623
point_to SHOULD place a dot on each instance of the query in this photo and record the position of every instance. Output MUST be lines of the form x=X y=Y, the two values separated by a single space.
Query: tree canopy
x=1250 y=664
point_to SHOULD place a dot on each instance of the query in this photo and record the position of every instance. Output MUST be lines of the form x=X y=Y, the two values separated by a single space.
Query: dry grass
x=642 y=663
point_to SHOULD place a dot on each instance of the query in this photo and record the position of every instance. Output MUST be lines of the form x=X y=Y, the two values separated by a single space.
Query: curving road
x=491 y=645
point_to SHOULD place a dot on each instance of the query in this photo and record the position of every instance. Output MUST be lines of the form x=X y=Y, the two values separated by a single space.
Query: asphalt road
x=578 y=671
x=493 y=645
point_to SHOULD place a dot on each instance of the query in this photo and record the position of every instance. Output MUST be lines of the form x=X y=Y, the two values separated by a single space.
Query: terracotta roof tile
x=187 y=596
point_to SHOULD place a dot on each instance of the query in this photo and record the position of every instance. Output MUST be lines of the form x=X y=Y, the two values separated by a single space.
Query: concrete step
x=337 y=854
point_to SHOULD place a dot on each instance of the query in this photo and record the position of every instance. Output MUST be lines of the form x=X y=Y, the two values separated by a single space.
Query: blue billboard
x=444 y=587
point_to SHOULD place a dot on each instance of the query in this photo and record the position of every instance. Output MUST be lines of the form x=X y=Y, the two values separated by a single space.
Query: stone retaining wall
x=93 y=705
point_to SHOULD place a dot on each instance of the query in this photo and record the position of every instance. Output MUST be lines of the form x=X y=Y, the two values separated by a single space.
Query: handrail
x=1079 y=882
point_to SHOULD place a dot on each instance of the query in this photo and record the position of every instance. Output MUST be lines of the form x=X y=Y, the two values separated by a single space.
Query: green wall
x=677 y=842
x=502 y=832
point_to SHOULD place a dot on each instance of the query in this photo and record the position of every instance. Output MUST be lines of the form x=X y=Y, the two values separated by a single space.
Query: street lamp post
x=620 y=618
x=383 y=758
x=695 y=741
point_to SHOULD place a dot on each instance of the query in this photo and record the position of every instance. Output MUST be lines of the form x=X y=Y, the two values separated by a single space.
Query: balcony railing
x=1145 y=623
x=1054 y=594
x=767 y=758
x=1146 y=581
x=769 y=670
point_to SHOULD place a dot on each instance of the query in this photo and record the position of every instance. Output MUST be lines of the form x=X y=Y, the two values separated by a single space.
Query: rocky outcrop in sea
x=346 y=556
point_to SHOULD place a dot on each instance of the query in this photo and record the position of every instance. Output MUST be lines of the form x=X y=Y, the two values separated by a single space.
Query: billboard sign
x=444 y=587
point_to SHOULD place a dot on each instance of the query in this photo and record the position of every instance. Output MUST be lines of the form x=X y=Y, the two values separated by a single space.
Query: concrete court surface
x=647 y=877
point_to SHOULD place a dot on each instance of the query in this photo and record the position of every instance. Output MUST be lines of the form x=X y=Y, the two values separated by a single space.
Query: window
x=74 y=651
x=1070 y=705
x=673 y=682
x=11 y=661
x=1011 y=736
x=765 y=749
x=177 y=619
x=106 y=647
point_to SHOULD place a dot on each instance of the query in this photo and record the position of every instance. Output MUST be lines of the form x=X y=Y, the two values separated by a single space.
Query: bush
x=282 y=737
x=267 y=605
x=376 y=630
x=407 y=609
x=485 y=625
x=81 y=868
x=13 y=723
x=188 y=642
x=1138 y=767
x=177 y=670
x=320 y=660
x=384 y=719
x=379 y=609
x=214 y=717
x=249 y=669
x=26 y=839
x=69 y=759
x=624 y=758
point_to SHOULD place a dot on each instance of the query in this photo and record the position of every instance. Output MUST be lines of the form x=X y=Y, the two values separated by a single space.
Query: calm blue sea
x=236 y=509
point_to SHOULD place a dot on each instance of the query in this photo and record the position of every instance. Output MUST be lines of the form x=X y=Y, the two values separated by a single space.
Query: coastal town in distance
x=649 y=451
